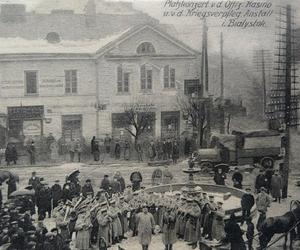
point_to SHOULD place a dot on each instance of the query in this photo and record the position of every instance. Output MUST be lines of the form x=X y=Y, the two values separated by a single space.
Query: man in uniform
x=218 y=224
x=146 y=226
x=113 y=213
x=124 y=208
x=208 y=217
x=87 y=188
x=56 y=191
x=104 y=222
x=193 y=213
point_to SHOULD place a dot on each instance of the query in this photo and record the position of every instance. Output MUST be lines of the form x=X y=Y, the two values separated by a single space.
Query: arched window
x=146 y=48
x=53 y=37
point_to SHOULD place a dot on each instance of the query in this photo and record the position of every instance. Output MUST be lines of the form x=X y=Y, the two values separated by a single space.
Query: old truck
x=241 y=148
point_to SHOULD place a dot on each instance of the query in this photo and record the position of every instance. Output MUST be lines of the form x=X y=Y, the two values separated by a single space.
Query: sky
x=238 y=42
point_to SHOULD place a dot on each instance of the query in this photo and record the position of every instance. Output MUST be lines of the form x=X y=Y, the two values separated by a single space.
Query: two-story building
x=82 y=88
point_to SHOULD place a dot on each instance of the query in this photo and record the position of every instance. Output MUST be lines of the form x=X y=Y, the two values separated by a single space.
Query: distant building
x=70 y=19
x=80 y=88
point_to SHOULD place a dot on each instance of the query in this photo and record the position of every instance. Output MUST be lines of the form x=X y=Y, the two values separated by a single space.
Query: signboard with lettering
x=23 y=112
x=32 y=128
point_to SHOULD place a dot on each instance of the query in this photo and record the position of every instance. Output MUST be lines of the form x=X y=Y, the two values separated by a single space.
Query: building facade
x=74 y=89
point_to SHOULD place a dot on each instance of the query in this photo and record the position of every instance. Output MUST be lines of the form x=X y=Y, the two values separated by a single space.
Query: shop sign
x=32 y=128
x=23 y=112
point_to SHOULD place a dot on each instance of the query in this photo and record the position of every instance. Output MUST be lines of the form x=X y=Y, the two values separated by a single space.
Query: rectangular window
x=31 y=82
x=70 y=81
x=193 y=88
x=169 y=77
x=123 y=80
x=146 y=78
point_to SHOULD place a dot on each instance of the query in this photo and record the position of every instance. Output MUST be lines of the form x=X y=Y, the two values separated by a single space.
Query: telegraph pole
x=204 y=58
x=263 y=79
x=222 y=67
x=288 y=65
x=262 y=60
x=222 y=104
x=284 y=104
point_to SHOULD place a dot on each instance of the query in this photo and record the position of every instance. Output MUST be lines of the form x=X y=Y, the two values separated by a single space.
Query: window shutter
x=126 y=82
x=149 y=79
x=74 y=81
x=172 y=78
x=166 y=76
x=143 y=77
x=119 y=79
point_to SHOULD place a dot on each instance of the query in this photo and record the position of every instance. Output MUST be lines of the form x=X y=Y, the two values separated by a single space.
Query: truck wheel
x=267 y=162
x=206 y=166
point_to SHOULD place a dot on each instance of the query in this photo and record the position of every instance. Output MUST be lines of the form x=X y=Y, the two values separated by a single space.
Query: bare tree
x=137 y=119
x=196 y=110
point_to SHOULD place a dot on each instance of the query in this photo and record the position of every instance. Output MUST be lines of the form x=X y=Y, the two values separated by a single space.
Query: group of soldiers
x=106 y=220
x=19 y=230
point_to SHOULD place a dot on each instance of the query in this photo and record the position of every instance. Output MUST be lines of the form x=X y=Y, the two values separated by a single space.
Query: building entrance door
x=170 y=124
x=71 y=127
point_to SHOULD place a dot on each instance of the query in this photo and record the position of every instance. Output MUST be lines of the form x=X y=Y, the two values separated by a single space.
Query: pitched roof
x=139 y=28
x=24 y=46
x=21 y=46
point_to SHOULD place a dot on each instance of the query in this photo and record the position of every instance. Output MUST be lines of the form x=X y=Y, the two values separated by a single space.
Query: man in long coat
x=104 y=222
x=113 y=213
x=124 y=208
x=193 y=214
x=56 y=191
x=181 y=222
x=247 y=202
x=146 y=225
x=276 y=186
x=44 y=201
x=263 y=201
x=208 y=217
x=169 y=230
x=234 y=234
x=218 y=223
x=82 y=227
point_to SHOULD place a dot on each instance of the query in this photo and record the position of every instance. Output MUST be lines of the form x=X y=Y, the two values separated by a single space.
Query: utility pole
x=222 y=103
x=288 y=65
x=263 y=79
x=284 y=104
x=262 y=62
x=222 y=67
x=206 y=102
x=204 y=58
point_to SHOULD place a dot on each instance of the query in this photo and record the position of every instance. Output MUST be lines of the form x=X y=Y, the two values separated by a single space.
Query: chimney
x=13 y=13
x=90 y=13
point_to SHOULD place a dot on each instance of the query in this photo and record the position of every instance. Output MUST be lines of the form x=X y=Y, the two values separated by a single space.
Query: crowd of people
x=106 y=217
x=117 y=210
x=76 y=150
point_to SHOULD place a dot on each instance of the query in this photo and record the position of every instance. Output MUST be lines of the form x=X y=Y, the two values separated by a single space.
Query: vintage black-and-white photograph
x=149 y=124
